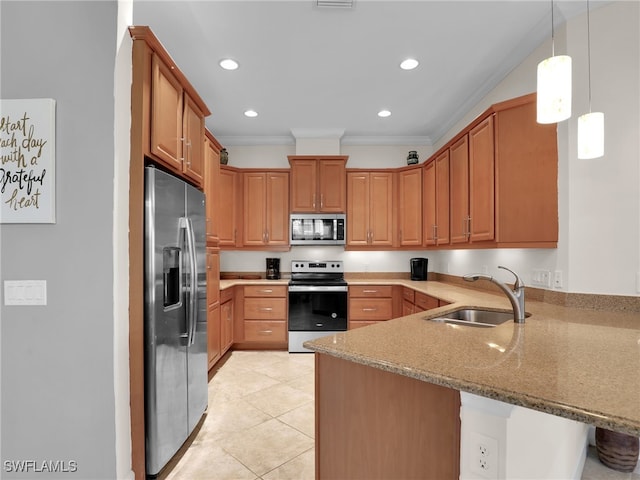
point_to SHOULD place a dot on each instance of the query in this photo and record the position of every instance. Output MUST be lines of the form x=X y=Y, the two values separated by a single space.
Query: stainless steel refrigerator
x=175 y=315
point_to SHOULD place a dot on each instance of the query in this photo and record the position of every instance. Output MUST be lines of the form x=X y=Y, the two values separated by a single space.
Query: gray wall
x=57 y=382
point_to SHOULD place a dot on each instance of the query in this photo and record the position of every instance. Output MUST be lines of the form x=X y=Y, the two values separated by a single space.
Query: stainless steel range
x=317 y=301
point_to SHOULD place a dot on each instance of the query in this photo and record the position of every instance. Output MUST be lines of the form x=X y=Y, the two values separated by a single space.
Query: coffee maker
x=419 y=267
x=273 y=268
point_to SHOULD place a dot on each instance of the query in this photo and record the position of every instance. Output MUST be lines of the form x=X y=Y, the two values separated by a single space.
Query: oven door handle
x=318 y=288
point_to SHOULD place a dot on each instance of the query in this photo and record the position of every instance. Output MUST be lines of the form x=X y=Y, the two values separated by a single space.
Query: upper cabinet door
x=481 y=182
x=459 y=192
x=177 y=124
x=277 y=205
x=358 y=233
x=318 y=184
x=228 y=198
x=193 y=137
x=410 y=207
x=166 y=115
x=303 y=185
x=442 y=199
x=435 y=196
x=381 y=209
x=332 y=182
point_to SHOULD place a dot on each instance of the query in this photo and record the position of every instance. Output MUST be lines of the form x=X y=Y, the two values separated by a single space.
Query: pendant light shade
x=590 y=125
x=554 y=89
x=591 y=135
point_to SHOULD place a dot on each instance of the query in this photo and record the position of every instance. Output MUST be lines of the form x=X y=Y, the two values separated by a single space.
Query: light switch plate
x=25 y=292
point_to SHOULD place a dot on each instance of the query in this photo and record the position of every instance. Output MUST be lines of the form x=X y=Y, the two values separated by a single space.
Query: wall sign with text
x=27 y=160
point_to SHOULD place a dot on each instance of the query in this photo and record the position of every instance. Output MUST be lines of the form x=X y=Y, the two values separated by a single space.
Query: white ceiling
x=328 y=70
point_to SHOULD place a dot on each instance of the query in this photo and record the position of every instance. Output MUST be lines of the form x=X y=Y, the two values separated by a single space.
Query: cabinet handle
x=435 y=233
x=266 y=291
x=182 y=158
x=369 y=291
x=265 y=332
x=372 y=309
x=265 y=309
x=189 y=153
x=314 y=201
x=468 y=226
x=322 y=200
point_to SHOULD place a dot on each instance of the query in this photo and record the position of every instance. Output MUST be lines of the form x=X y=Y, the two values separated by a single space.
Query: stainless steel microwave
x=317 y=229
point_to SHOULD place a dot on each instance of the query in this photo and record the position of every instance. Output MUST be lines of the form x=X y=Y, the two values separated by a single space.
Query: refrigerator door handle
x=193 y=279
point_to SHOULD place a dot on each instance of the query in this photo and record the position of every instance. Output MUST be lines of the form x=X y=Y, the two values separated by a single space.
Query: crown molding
x=253 y=141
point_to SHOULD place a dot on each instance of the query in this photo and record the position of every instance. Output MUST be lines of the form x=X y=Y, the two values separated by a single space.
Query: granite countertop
x=575 y=363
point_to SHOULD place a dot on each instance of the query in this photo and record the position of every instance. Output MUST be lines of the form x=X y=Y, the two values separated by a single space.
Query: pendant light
x=554 y=85
x=590 y=125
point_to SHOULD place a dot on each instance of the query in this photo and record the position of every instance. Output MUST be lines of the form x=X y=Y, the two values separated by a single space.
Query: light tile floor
x=260 y=421
x=260 y=424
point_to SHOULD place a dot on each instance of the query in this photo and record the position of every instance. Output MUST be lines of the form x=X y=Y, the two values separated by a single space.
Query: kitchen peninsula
x=573 y=363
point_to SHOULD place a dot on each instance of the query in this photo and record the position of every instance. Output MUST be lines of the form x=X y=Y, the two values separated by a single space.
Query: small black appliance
x=419 y=268
x=273 y=268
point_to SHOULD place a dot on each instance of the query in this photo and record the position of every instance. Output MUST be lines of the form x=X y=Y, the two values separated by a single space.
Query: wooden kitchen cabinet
x=214 y=345
x=410 y=207
x=481 y=182
x=435 y=195
x=459 y=196
x=414 y=302
x=503 y=179
x=408 y=299
x=226 y=319
x=229 y=198
x=212 y=186
x=177 y=124
x=376 y=424
x=526 y=182
x=265 y=208
x=425 y=302
x=370 y=208
x=472 y=185
x=369 y=304
x=318 y=184
x=262 y=321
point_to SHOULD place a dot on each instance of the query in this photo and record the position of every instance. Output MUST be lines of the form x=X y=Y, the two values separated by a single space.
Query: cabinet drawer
x=408 y=308
x=425 y=302
x=370 y=291
x=370 y=308
x=265 y=291
x=257 y=308
x=408 y=294
x=261 y=331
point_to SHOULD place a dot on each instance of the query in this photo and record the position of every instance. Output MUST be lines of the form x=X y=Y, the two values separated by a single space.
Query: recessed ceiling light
x=409 y=64
x=384 y=113
x=228 y=64
x=251 y=113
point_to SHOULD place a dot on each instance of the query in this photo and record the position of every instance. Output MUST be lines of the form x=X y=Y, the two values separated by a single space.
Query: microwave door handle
x=335 y=229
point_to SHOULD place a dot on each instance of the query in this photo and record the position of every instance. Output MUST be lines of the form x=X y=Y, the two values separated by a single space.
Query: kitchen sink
x=474 y=317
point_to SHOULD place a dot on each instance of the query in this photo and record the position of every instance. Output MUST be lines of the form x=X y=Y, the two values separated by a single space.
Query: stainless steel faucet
x=516 y=296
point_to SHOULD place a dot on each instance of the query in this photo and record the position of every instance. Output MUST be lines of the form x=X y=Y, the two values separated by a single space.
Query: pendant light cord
x=553 y=49
x=589 y=53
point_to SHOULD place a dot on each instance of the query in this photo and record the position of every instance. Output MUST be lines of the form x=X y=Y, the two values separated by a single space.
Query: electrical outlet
x=557 y=279
x=484 y=455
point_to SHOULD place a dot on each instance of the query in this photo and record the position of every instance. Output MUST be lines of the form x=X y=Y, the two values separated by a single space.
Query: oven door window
x=317 y=311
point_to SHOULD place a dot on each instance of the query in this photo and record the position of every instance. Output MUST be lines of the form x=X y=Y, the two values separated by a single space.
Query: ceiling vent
x=334 y=3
